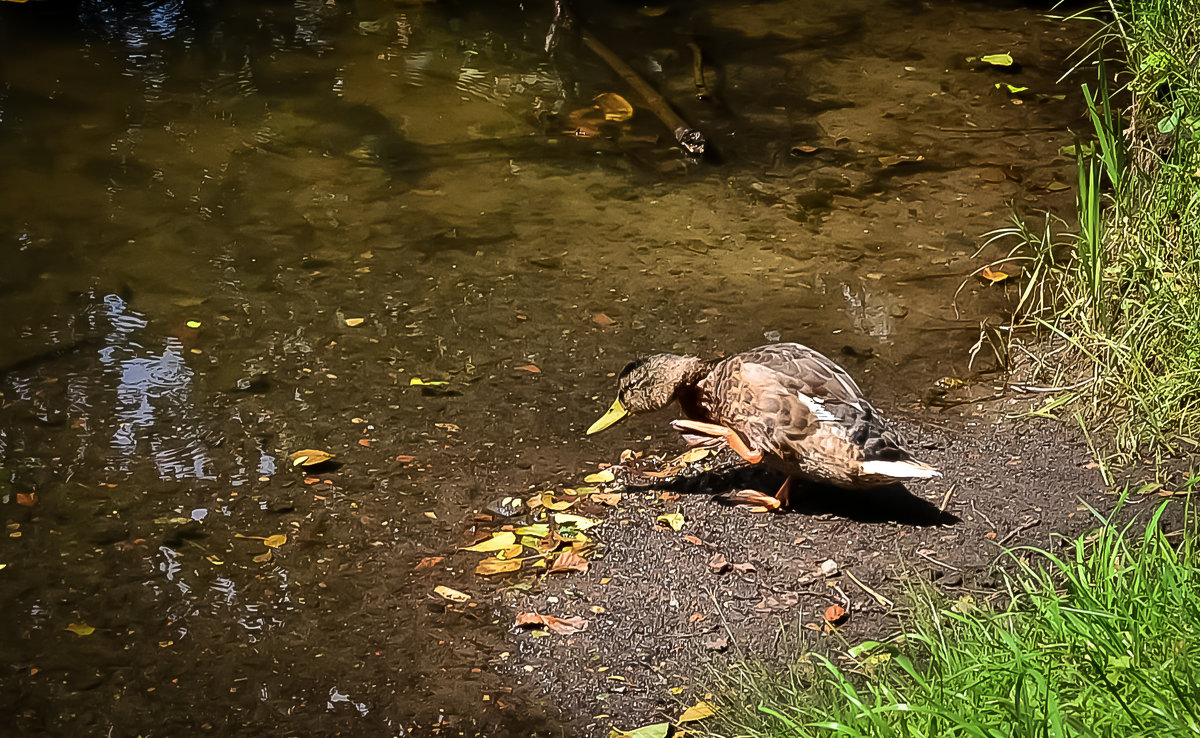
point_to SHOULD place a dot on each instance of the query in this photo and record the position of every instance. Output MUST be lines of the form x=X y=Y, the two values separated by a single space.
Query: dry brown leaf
x=568 y=561
x=562 y=626
x=602 y=320
x=491 y=567
x=28 y=500
x=428 y=562
x=834 y=614
x=451 y=594
x=612 y=499
x=718 y=563
x=531 y=368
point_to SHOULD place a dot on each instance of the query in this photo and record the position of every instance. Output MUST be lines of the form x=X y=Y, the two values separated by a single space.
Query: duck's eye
x=630 y=367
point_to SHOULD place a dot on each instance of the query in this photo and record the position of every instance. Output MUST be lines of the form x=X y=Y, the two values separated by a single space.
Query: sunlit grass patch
x=1119 y=290
x=1102 y=639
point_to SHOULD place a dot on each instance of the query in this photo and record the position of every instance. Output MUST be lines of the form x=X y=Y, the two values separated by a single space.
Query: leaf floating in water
x=998 y=60
x=698 y=711
x=675 y=520
x=81 y=629
x=531 y=368
x=309 y=457
x=1057 y=187
x=194 y=324
x=275 y=541
x=600 y=477
x=451 y=594
x=493 y=566
x=418 y=382
x=27 y=499
x=1013 y=89
x=498 y=542
x=562 y=626
x=993 y=276
x=614 y=107
x=602 y=320
x=568 y=561
x=263 y=557
x=354 y=322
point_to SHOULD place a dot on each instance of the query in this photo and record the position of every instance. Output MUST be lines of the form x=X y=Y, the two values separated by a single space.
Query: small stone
x=829 y=567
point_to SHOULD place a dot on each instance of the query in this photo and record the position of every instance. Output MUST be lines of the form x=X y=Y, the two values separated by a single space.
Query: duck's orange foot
x=755 y=500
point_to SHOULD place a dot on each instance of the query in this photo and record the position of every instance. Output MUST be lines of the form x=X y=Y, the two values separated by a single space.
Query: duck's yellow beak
x=615 y=413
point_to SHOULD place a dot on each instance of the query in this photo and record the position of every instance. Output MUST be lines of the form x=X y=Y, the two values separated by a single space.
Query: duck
x=783 y=405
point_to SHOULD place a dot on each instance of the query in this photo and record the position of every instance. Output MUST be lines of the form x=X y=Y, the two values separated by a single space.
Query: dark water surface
x=232 y=230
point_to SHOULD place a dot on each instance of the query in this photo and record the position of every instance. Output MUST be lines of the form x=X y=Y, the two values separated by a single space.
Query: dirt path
x=659 y=607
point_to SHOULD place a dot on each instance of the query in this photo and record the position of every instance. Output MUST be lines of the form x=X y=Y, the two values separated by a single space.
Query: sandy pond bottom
x=279 y=216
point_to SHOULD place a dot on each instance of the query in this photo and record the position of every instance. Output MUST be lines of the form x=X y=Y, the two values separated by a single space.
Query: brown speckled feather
x=801 y=410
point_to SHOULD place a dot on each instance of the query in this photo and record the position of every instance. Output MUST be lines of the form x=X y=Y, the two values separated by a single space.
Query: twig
x=946 y=499
x=1030 y=388
x=702 y=92
x=939 y=563
x=689 y=138
x=1022 y=527
x=986 y=519
x=1034 y=129
x=878 y=597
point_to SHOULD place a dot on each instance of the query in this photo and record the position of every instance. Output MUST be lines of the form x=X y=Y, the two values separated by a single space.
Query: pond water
x=234 y=230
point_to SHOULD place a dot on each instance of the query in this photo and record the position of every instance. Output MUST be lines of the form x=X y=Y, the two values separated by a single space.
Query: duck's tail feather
x=899 y=470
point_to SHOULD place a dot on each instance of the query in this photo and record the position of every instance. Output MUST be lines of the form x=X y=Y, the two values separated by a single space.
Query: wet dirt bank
x=277 y=219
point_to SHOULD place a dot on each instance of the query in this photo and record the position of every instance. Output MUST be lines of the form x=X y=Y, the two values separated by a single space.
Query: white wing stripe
x=816 y=407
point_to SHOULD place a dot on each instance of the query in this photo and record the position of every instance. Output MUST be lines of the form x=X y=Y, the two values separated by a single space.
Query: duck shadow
x=893 y=503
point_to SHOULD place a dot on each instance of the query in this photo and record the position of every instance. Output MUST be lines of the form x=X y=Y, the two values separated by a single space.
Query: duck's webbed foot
x=755 y=500
x=695 y=428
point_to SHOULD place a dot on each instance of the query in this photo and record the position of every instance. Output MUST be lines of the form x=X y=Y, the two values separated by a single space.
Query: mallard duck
x=784 y=405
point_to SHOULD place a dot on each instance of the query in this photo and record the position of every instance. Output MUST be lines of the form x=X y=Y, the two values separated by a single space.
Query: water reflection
x=153 y=410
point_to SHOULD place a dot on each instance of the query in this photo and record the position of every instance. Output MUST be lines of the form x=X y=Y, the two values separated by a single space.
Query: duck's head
x=648 y=384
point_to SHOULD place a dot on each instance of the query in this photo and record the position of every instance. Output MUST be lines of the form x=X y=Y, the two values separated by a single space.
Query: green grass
x=1100 y=640
x=1118 y=293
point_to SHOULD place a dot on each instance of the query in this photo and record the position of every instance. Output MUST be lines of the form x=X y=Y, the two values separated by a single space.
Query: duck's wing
x=787 y=399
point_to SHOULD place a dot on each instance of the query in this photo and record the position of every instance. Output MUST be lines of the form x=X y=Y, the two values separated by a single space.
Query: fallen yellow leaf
x=418 y=382
x=675 y=520
x=693 y=455
x=81 y=629
x=490 y=567
x=500 y=541
x=698 y=711
x=600 y=477
x=275 y=541
x=993 y=276
x=309 y=457
x=352 y=322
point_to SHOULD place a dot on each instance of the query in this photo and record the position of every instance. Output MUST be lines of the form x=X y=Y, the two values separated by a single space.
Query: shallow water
x=201 y=202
